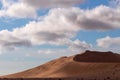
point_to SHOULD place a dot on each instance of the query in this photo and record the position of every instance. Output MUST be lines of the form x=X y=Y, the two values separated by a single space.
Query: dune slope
x=88 y=64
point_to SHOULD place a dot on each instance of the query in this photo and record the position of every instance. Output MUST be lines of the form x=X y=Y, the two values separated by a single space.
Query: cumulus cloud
x=79 y=45
x=52 y=3
x=114 y=3
x=108 y=42
x=96 y=18
x=60 y=25
x=8 y=41
x=53 y=29
x=28 y=8
x=21 y=10
x=101 y=18
x=10 y=8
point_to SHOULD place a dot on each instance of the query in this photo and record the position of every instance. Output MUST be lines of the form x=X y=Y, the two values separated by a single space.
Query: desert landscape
x=59 y=39
x=89 y=65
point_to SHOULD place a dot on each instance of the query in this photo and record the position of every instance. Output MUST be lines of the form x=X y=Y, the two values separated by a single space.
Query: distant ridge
x=89 y=65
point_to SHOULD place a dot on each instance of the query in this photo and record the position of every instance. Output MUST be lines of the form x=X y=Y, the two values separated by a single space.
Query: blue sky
x=35 y=31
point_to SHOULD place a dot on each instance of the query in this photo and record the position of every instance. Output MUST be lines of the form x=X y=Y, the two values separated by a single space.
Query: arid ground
x=90 y=65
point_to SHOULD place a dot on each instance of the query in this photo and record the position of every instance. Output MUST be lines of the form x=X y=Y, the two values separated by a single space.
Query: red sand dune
x=90 y=64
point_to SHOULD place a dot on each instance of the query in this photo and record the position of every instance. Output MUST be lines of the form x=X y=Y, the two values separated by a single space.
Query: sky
x=33 y=32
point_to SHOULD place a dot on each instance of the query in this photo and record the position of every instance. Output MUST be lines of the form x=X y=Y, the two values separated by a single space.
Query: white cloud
x=109 y=42
x=115 y=3
x=8 y=41
x=59 y=25
x=21 y=10
x=79 y=45
x=101 y=18
x=28 y=8
x=51 y=3
x=6 y=3
x=17 y=10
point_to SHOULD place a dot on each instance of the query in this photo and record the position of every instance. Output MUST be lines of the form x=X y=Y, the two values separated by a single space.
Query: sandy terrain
x=88 y=65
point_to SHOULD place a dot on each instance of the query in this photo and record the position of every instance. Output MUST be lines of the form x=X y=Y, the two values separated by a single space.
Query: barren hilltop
x=89 y=64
